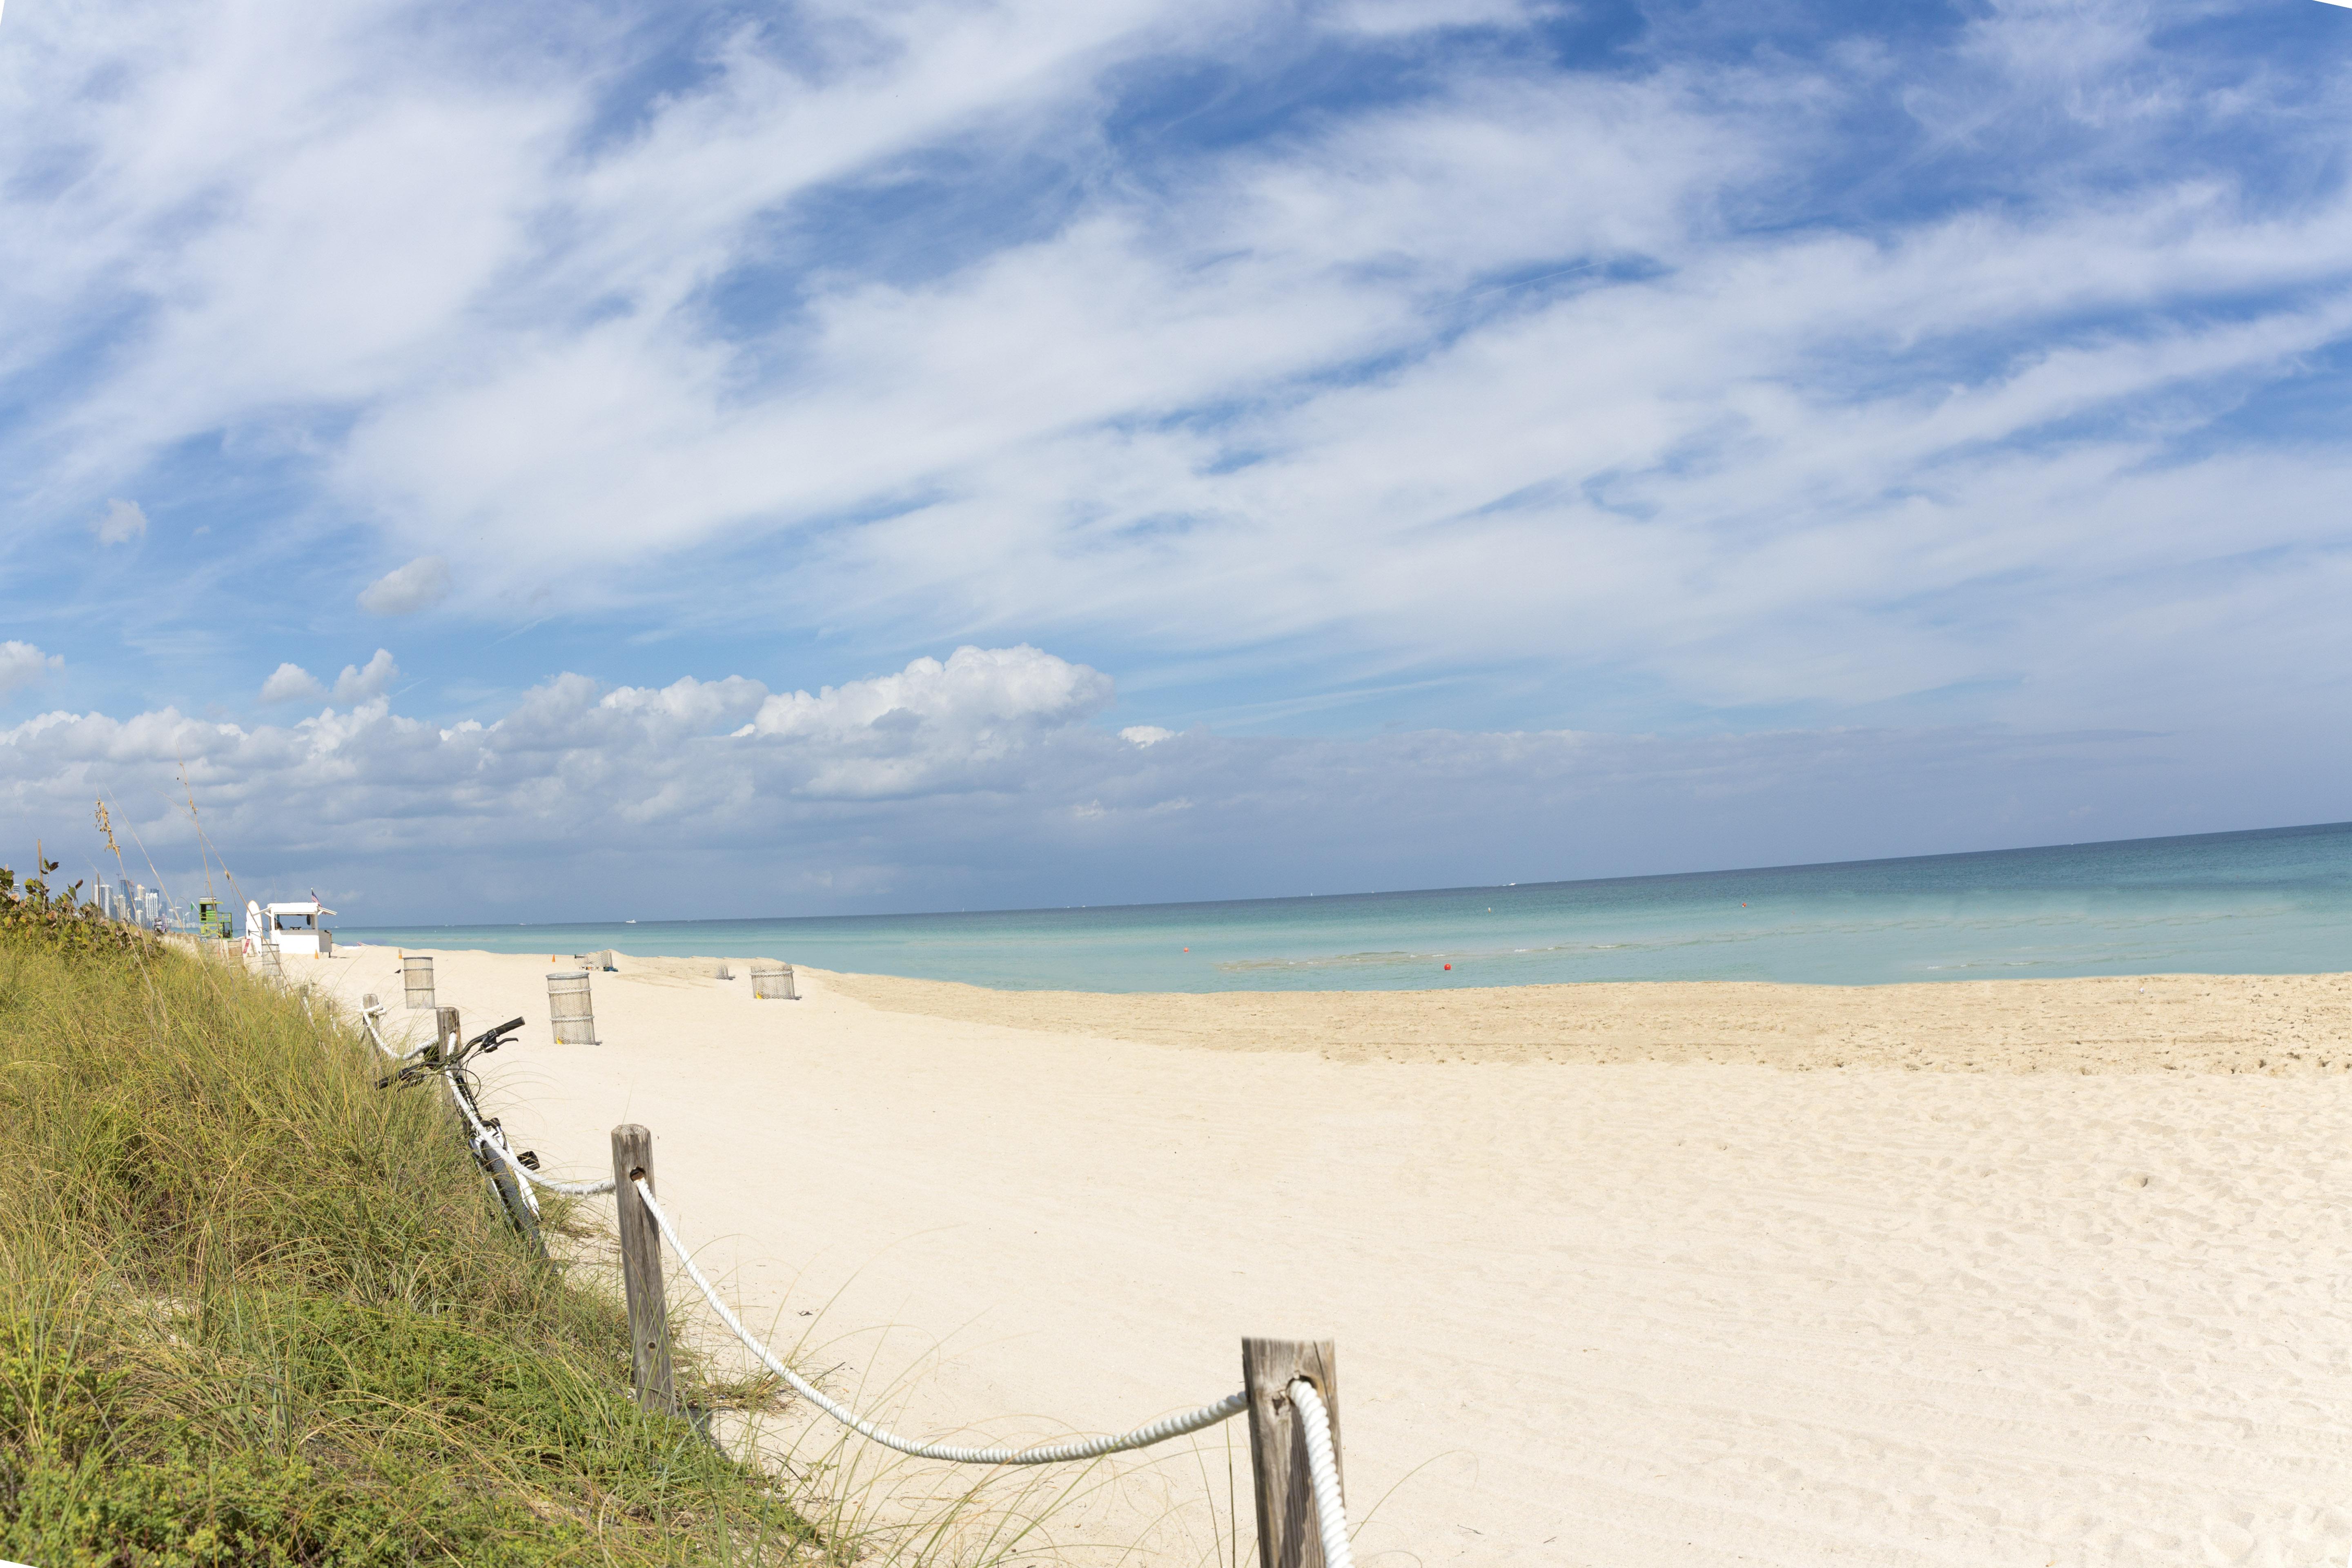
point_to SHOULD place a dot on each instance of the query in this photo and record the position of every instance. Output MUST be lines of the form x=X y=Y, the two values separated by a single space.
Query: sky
x=671 y=460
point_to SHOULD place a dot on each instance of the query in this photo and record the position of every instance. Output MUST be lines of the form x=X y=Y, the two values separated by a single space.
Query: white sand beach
x=1621 y=1276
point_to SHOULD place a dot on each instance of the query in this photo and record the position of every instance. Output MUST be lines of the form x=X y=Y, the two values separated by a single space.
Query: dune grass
x=254 y=1311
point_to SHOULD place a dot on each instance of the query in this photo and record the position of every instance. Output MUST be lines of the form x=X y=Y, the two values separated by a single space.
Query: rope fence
x=1289 y=1387
x=1158 y=1431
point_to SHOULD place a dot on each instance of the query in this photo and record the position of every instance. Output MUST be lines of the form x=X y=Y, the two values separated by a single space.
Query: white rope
x=570 y=1189
x=368 y=1016
x=1085 y=1448
x=1323 y=1472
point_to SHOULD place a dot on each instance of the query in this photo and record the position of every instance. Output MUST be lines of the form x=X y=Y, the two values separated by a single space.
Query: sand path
x=1590 y=1311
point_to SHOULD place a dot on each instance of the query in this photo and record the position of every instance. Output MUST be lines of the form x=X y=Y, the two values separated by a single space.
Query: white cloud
x=1704 y=456
x=910 y=732
x=122 y=524
x=293 y=683
x=1146 y=734
x=695 y=757
x=21 y=664
x=976 y=691
x=419 y=586
x=1687 y=376
x=984 y=777
x=357 y=684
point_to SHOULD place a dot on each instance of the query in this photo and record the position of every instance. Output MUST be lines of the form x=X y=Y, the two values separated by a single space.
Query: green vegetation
x=254 y=1311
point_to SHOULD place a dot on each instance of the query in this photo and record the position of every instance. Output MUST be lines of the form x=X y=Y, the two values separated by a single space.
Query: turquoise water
x=2271 y=902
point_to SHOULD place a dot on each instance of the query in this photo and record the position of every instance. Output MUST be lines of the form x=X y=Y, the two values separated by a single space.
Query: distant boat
x=628 y=922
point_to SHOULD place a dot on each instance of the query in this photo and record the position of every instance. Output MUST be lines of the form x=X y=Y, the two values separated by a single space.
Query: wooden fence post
x=449 y=1034
x=1286 y=1532
x=641 y=1270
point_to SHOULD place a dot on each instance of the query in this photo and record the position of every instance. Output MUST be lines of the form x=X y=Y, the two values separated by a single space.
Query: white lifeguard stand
x=293 y=929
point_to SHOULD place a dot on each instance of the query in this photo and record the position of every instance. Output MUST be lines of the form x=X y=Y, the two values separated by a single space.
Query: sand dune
x=1611 y=1285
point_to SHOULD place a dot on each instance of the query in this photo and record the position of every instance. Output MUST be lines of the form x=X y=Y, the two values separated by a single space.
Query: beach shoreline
x=1623 y=1303
x=2148 y=1023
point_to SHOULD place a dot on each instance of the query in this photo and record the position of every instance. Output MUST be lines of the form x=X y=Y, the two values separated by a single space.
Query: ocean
x=2276 y=902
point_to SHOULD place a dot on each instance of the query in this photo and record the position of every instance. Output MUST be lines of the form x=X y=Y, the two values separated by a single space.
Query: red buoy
x=1449 y=966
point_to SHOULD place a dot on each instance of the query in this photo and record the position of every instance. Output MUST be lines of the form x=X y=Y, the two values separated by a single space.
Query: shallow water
x=2275 y=902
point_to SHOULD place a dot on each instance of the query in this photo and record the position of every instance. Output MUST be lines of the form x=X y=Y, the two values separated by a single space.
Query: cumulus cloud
x=293 y=683
x=908 y=733
x=122 y=524
x=1146 y=734
x=21 y=664
x=697 y=757
x=419 y=586
x=985 y=777
x=357 y=683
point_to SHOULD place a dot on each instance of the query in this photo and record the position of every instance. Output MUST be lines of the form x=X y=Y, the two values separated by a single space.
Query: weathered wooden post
x=641 y=1269
x=447 y=1035
x=417 y=978
x=1287 y=1533
x=571 y=1010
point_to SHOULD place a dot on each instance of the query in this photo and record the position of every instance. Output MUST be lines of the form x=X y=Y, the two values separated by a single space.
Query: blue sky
x=1362 y=444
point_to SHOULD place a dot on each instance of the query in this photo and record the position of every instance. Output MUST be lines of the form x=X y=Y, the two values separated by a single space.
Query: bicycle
x=441 y=1059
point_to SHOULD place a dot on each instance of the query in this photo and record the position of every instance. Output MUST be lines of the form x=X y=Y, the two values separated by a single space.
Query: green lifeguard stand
x=210 y=921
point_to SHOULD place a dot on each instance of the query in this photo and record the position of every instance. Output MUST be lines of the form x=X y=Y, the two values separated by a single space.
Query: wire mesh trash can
x=773 y=980
x=416 y=976
x=571 y=1009
x=269 y=964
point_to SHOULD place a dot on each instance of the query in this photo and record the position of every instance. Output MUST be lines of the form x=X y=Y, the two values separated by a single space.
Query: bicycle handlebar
x=485 y=1042
x=491 y=1039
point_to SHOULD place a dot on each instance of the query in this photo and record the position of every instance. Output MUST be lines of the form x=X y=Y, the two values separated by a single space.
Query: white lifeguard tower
x=293 y=929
